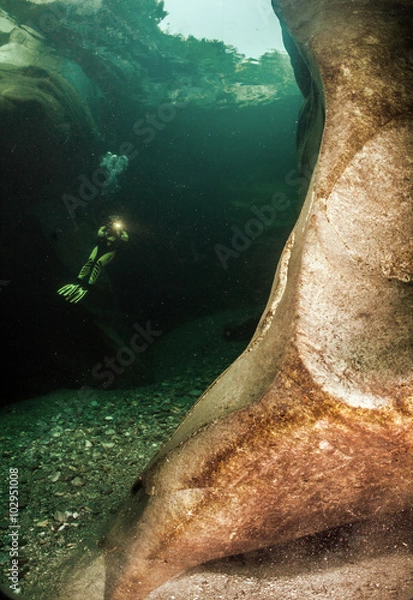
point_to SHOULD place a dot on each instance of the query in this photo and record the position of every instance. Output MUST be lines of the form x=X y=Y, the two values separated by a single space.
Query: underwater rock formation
x=75 y=68
x=311 y=427
x=39 y=95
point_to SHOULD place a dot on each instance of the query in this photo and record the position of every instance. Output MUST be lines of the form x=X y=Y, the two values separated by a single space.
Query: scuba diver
x=110 y=237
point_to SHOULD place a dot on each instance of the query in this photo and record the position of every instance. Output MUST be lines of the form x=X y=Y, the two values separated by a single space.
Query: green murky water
x=208 y=194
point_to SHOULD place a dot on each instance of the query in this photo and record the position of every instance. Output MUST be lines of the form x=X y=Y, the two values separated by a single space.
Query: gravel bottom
x=77 y=457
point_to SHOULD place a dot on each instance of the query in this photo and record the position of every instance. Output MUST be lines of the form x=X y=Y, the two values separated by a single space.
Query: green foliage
x=214 y=60
x=122 y=48
x=139 y=13
x=273 y=68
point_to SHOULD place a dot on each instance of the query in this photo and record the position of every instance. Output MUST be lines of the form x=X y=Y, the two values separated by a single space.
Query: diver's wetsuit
x=110 y=238
x=103 y=253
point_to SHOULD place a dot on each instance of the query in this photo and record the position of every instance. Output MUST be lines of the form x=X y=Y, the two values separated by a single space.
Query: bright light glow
x=249 y=25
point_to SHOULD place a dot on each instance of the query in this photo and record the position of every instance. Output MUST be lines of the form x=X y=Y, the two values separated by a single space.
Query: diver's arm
x=103 y=232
